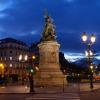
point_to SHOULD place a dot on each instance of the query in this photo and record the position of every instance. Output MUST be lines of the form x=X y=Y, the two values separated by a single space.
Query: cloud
x=3 y=15
x=72 y=57
x=33 y=32
x=5 y=4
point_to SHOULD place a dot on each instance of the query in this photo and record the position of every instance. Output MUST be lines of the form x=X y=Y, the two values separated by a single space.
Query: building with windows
x=34 y=51
x=13 y=56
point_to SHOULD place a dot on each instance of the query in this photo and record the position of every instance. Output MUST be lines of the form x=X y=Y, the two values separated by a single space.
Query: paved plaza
x=69 y=92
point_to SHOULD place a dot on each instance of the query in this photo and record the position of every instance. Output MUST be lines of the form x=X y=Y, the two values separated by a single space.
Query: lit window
x=26 y=57
x=10 y=65
x=5 y=58
x=20 y=57
x=10 y=58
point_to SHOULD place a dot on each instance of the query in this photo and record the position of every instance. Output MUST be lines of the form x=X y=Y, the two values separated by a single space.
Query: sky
x=24 y=20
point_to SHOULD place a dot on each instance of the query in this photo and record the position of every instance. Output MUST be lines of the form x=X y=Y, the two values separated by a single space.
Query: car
x=96 y=77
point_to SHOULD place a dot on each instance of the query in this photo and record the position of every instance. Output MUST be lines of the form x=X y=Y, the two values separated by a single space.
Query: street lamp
x=89 y=53
x=33 y=57
x=84 y=37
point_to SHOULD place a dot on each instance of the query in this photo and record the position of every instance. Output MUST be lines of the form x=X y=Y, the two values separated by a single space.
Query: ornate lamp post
x=89 y=53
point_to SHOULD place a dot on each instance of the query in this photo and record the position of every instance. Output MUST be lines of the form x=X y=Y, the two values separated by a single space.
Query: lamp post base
x=31 y=82
x=91 y=81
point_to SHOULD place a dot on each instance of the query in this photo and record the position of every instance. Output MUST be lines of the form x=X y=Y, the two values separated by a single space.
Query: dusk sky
x=24 y=20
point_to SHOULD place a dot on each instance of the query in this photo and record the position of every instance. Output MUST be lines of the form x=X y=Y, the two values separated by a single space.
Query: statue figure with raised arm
x=49 y=33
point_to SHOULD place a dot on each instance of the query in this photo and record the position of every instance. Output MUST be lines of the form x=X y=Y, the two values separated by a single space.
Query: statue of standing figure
x=49 y=33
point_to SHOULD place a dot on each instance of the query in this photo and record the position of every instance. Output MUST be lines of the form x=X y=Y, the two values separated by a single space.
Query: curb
x=94 y=90
x=15 y=93
x=39 y=93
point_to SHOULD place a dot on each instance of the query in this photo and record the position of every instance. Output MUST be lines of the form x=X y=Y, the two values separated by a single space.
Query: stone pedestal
x=49 y=73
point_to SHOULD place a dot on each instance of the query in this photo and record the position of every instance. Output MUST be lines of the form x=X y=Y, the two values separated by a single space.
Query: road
x=66 y=96
x=56 y=96
x=94 y=95
x=48 y=96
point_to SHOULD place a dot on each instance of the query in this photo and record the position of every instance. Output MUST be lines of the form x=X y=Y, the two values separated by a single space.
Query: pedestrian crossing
x=55 y=96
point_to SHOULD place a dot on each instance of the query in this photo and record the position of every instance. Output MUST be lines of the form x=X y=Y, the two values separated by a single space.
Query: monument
x=49 y=73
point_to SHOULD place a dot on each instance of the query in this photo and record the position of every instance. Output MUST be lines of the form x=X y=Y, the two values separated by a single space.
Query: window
x=15 y=66
x=4 y=53
x=5 y=58
x=10 y=51
x=1 y=53
x=10 y=58
x=10 y=65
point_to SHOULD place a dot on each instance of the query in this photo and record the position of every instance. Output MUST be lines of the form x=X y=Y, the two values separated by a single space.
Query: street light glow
x=33 y=57
x=91 y=66
x=90 y=53
x=31 y=70
x=92 y=38
x=2 y=66
x=84 y=37
x=86 y=53
x=37 y=68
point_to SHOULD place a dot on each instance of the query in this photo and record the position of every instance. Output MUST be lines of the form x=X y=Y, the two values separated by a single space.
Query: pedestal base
x=49 y=73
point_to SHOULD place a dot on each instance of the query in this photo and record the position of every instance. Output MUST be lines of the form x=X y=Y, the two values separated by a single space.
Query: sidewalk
x=86 y=87
x=70 y=88
x=14 y=89
x=25 y=89
x=87 y=94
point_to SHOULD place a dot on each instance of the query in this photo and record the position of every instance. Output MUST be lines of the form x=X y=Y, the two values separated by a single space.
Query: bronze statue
x=49 y=30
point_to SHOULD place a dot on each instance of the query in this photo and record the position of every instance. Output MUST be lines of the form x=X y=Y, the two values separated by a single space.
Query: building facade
x=13 y=56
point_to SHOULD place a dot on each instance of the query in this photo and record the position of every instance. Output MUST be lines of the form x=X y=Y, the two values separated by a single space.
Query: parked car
x=96 y=77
